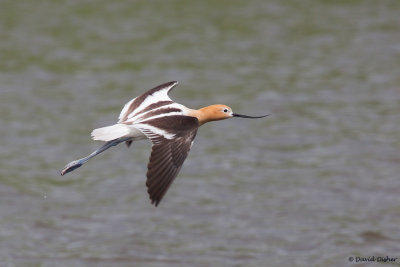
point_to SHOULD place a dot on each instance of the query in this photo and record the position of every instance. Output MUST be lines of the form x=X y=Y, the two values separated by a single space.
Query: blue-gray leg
x=77 y=163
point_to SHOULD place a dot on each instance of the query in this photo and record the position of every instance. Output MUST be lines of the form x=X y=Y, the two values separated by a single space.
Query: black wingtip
x=155 y=202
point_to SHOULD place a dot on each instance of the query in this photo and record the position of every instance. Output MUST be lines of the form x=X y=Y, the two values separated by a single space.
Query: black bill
x=250 y=117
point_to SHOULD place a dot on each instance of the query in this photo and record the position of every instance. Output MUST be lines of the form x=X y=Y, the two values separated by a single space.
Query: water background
x=315 y=183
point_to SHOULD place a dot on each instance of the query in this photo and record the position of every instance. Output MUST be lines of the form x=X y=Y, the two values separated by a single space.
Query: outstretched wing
x=172 y=138
x=152 y=99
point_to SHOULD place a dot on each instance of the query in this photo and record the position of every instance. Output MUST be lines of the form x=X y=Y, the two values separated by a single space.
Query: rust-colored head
x=218 y=112
x=214 y=113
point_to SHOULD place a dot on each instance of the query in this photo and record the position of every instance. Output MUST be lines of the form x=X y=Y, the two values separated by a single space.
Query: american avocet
x=170 y=126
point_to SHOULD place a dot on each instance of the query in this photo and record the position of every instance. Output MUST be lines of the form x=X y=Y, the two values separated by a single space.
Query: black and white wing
x=172 y=138
x=153 y=99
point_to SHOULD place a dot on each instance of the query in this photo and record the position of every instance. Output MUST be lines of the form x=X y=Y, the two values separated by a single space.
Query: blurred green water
x=311 y=185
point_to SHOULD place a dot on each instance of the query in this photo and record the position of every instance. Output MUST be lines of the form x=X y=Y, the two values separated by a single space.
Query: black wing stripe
x=159 y=191
x=161 y=153
x=156 y=112
x=139 y=100
x=167 y=155
x=154 y=106
x=158 y=169
x=166 y=175
x=155 y=167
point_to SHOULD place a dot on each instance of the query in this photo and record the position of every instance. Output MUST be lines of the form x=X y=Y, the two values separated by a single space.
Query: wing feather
x=153 y=98
x=167 y=155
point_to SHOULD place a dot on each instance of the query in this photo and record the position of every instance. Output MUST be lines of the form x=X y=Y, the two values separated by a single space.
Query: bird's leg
x=77 y=163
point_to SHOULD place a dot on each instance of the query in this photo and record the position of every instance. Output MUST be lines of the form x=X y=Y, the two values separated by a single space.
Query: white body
x=117 y=131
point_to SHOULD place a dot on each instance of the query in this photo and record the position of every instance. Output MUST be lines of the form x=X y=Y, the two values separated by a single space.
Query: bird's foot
x=71 y=166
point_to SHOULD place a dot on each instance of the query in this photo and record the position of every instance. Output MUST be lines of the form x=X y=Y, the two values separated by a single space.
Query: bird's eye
x=225 y=110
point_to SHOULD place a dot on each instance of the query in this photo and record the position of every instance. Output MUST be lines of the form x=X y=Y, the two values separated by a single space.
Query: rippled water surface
x=315 y=183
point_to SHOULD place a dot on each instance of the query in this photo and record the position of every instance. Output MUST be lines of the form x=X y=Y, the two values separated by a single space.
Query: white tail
x=111 y=132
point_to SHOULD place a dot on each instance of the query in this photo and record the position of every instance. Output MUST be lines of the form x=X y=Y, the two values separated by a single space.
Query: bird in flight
x=171 y=127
